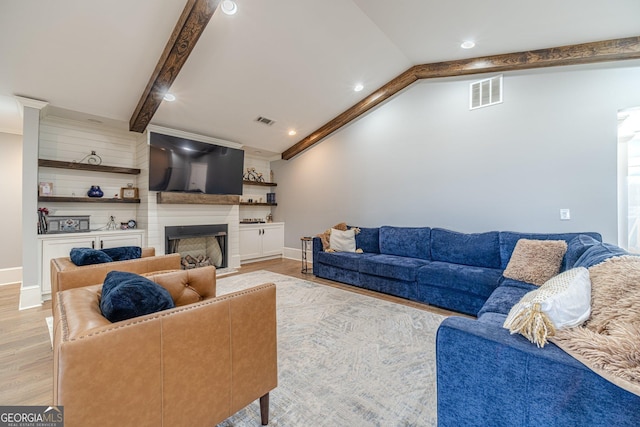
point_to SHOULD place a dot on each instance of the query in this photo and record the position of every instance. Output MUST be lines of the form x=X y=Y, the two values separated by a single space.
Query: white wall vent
x=265 y=121
x=485 y=92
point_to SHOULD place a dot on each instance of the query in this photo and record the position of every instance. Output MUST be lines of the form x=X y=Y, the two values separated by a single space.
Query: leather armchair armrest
x=66 y=275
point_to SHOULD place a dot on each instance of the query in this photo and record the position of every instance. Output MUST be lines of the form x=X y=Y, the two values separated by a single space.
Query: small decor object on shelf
x=111 y=225
x=129 y=192
x=92 y=159
x=95 y=191
x=42 y=220
x=271 y=198
x=270 y=218
x=131 y=224
x=45 y=189
x=68 y=224
x=252 y=175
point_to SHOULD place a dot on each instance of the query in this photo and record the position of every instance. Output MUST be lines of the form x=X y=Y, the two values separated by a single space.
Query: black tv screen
x=187 y=166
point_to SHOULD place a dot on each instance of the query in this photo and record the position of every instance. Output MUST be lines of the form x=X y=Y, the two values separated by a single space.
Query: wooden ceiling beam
x=190 y=26
x=586 y=53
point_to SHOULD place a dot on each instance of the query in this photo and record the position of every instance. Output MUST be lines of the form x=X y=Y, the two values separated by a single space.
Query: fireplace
x=199 y=245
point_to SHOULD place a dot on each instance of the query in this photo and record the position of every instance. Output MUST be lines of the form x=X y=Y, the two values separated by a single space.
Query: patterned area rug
x=345 y=359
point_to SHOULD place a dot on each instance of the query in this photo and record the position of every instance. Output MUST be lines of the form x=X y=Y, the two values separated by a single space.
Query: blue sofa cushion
x=412 y=242
x=126 y=295
x=599 y=253
x=391 y=266
x=508 y=240
x=505 y=297
x=344 y=260
x=368 y=240
x=474 y=280
x=576 y=247
x=478 y=249
x=123 y=253
x=88 y=256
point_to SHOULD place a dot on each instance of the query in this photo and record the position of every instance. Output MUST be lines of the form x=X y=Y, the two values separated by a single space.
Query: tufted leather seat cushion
x=187 y=286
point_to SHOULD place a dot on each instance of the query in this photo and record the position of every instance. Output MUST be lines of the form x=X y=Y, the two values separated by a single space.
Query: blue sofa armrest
x=485 y=376
x=317 y=248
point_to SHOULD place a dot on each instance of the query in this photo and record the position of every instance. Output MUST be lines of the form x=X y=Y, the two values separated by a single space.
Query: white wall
x=424 y=159
x=11 y=196
x=72 y=140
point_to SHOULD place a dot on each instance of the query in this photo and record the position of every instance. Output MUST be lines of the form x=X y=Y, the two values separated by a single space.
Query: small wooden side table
x=305 y=242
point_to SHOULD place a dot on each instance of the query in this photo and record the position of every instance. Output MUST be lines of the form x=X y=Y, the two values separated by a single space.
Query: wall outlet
x=565 y=214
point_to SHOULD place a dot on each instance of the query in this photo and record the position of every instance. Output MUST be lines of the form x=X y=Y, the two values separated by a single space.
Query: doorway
x=629 y=179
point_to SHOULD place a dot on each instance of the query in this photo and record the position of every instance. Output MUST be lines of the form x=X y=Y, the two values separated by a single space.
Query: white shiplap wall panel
x=68 y=140
x=71 y=140
x=163 y=215
x=142 y=163
x=155 y=217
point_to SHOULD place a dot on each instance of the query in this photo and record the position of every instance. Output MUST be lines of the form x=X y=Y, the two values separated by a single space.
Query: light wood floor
x=26 y=359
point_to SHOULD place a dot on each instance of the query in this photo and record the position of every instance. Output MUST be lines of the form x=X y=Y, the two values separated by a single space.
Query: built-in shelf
x=86 y=167
x=258 y=204
x=74 y=199
x=262 y=184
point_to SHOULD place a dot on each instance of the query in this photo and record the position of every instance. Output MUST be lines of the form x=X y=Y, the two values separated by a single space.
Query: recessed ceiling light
x=169 y=97
x=229 y=7
x=467 y=44
x=358 y=87
x=292 y=132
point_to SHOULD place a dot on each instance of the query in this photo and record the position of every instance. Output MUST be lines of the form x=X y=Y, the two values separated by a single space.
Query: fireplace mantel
x=164 y=197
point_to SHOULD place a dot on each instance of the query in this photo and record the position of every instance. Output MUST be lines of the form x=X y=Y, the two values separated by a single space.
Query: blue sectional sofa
x=485 y=375
x=444 y=268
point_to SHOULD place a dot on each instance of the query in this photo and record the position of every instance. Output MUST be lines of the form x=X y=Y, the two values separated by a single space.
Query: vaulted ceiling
x=292 y=61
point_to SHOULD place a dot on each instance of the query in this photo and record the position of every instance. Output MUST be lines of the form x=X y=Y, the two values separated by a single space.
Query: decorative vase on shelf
x=95 y=191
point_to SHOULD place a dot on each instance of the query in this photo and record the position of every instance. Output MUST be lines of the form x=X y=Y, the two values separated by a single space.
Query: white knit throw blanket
x=609 y=342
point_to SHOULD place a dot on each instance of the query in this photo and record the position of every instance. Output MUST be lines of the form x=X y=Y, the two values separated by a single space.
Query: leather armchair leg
x=264 y=409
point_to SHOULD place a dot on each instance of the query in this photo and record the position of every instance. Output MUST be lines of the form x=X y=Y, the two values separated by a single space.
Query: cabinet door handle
x=93 y=245
x=101 y=244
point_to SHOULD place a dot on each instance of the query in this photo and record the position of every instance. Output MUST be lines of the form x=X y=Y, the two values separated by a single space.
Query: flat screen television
x=187 y=166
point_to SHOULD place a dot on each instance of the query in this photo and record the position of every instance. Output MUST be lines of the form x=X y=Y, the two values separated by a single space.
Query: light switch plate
x=565 y=214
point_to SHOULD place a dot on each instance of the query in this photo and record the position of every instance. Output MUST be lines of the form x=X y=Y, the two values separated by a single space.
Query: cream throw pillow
x=535 y=261
x=343 y=241
x=562 y=302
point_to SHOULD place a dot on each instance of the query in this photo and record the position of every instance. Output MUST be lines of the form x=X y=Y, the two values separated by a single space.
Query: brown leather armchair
x=193 y=365
x=66 y=275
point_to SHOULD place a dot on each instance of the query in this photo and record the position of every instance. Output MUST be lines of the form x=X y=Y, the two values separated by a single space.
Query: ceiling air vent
x=265 y=121
x=485 y=92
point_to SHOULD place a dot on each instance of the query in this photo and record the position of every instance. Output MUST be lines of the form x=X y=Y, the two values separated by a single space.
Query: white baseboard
x=30 y=297
x=296 y=253
x=10 y=275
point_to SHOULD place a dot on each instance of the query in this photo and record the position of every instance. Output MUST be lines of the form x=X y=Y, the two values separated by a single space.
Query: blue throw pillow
x=88 y=256
x=126 y=295
x=599 y=253
x=123 y=253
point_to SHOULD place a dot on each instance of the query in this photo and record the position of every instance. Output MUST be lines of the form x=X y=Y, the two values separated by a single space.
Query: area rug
x=345 y=359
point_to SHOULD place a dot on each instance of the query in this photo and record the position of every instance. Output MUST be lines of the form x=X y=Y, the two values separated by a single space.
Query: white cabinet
x=60 y=245
x=261 y=240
